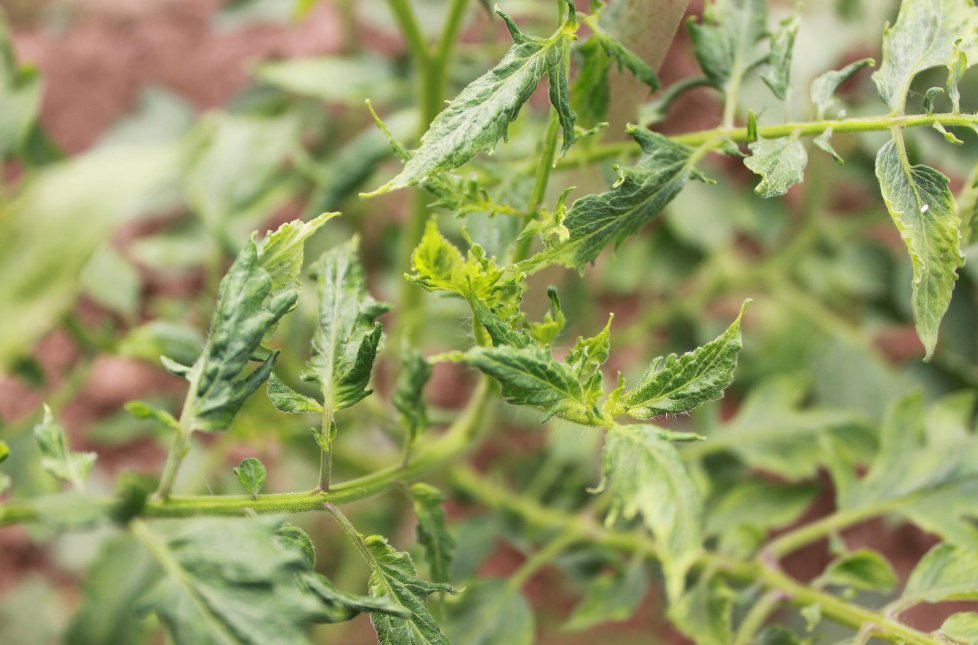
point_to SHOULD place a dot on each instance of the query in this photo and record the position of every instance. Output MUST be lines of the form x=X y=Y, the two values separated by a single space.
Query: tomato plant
x=606 y=458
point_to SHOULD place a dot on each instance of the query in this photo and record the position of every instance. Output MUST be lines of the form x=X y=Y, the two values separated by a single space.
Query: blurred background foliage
x=142 y=143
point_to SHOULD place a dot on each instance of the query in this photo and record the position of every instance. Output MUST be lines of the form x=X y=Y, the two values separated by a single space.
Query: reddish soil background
x=93 y=71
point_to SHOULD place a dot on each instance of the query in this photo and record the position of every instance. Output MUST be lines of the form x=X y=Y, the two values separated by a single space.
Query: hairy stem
x=810 y=128
x=456 y=442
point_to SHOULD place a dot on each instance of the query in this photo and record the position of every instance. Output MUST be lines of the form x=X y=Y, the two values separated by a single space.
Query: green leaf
x=480 y=115
x=4 y=451
x=778 y=77
x=704 y=612
x=955 y=70
x=756 y=504
x=56 y=459
x=590 y=93
x=439 y=266
x=780 y=163
x=162 y=418
x=923 y=209
x=613 y=597
x=772 y=432
x=432 y=530
x=281 y=252
x=776 y=635
x=640 y=194
x=227 y=581
x=286 y=399
x=674 y=384
x=490 y=612
x=335 y=605
x=348 y=335
x=923 y=37
x=645 y=474
x=395 y=578
x=407 y=398
x=157 y=338
x=824 y=142
x=20 y=94
x=825 y=86
x=251 y=475
x=558 y=61
x=546 y=333
x=121 y=573
x=530 y=376
x=246 y=310
x=946 y=572
x=862 y=569
x=726 y=41
x=961 y=627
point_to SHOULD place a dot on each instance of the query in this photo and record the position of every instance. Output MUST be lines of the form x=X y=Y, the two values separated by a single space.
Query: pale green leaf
x=824 y=142
x=157 y=338
x=20 y=94
x=825 y=86
x=923 y=36
x=863 y=569
x=704 y=612
x=612 y=597
x=955 y=70
x=162 y=418
x=121 y=573
x=286 y=399
x=546 y=332
x=395 y=579
x=251 y=475
x=726 y=41
x=778 y=77
x=56 y=458
x=645 y=474
x=432 y=530
x=923 y=209
x=675 y=384
x=946 y=572
x=332 y=78
x=961 y=627
x=407 y=398
x=347 y=335
x=227 y=581
x=639 y=196
x=281 y=252
x=780 y=163
x=758 y=504
x=490 y=612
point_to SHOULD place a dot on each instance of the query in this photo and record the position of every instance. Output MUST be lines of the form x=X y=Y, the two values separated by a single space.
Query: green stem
x=326 y=456
x=757 y=616
x=540 y=181
x=457 y=441
x=811 y=128
x=410 y=30
x=833 y=608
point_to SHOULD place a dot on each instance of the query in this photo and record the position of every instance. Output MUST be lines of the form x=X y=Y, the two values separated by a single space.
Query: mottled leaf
x=778 y=77
x=286 y=399
x=395 y=579
x=348 y=335
x=645 y=474
x=56 y=459
x=726 y=41
x=825 y=86
x=780 y=163
x=923 y=209
x=946 y=572
x=704 y=612
x=923 y=36
x=824 y=142
x=407 y=398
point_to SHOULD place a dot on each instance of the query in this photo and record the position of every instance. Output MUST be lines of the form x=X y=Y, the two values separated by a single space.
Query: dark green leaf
x=56 y=459
x=251 y=475
x=348 y=335
x=432 y=530
x=558 y=59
